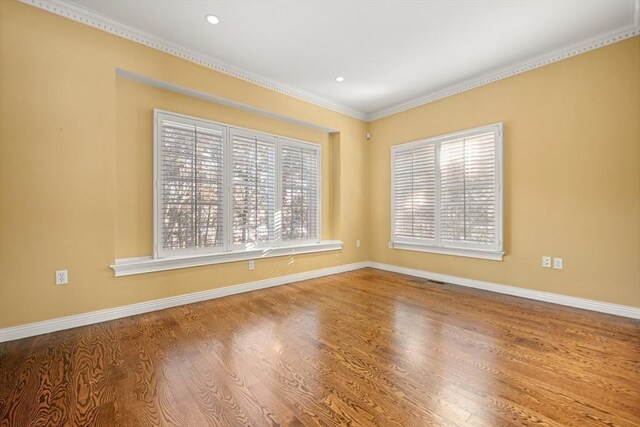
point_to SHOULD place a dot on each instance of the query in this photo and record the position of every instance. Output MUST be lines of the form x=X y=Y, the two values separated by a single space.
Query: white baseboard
x=587 y=304
x=59 y=324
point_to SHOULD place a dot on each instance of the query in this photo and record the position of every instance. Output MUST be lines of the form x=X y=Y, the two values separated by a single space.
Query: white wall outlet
x=357 y=243
x=62 y=277
x=390 y=245
x=557 y=263
x=546 y=261
x=251 y=265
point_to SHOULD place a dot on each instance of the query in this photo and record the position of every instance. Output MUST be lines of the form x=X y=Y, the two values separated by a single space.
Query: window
x=300 y=191
x=220 y=189
x=447 y=194
x=253 y=188
x=190 y=184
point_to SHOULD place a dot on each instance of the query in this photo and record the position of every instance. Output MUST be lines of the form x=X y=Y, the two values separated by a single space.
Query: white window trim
x=228 y=252
x=228 y=246
x=141 y=265
x=157 y=183
x=419 y=245
x=469 y=253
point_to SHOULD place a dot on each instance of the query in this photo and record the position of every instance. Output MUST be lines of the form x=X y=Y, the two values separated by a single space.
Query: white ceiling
x=389 y=52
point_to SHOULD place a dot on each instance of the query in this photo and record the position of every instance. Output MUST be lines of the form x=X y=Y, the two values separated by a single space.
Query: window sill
x=141 y=265
x=470 y=253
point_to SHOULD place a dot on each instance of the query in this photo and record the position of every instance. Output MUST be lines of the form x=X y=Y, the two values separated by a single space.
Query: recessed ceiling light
x=213 y=19
x=339 y=79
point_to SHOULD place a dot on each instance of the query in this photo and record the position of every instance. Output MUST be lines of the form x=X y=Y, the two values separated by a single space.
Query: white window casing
x=224 y=193
x=189 y=185
x=446 y=194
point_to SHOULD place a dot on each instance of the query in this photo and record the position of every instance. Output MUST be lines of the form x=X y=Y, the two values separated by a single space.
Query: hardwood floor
x=366 y=348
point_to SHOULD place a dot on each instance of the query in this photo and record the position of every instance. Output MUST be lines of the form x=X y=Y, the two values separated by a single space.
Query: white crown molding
x=101 y=22
x=569 y=301
x=522 y=67
x=84 y=16
x=62 y=323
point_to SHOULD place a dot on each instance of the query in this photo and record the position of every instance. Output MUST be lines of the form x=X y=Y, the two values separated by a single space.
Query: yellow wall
x=75 y=170
x=571 y=175
x=74 y=181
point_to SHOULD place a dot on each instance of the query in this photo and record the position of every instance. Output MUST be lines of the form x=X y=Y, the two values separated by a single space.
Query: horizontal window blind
x=253 y=190
x=300 y=192
x=209 y=178
x=225 y=189
x=447 y=191
x=468 y=190
x=415 y=193
x=190 y=182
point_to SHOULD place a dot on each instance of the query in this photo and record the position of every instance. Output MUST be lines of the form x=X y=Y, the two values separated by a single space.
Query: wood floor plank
x=364 y=348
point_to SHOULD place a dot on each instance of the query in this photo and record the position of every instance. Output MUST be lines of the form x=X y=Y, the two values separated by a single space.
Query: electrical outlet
x=62 y=277
x=357 y=243
x=251 y=265
x=546 y=261
x=557 y=263
x=390 y=245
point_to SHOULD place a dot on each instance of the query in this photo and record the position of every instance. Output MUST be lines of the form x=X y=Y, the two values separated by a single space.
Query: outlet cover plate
x=62 y=277
x=558 y=263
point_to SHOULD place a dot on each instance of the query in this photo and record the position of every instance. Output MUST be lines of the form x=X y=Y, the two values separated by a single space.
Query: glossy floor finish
x=366 y=348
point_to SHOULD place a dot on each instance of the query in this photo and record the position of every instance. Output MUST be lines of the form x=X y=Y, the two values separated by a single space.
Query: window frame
x=317 y=149
x=437 y=245
x=158 y=251
x=228 y=208
x=228 y=248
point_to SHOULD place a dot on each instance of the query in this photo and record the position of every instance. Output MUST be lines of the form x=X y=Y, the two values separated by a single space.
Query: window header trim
x=495 y=127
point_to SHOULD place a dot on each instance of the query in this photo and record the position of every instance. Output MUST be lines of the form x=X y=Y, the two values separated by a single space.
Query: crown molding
x=101 y=22
x=503 y=73
x=87 y=17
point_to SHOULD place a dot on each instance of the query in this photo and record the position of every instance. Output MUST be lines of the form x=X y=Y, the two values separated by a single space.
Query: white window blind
x=415 y=194
x=223 y=189
x=300 y=191
x=190 y=183
x=253 y=191
x=447 y=195
x=469 y=190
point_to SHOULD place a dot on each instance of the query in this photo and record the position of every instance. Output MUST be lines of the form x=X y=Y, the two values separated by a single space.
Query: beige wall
x=75 y=170
x=571 y=175
x=75 y=173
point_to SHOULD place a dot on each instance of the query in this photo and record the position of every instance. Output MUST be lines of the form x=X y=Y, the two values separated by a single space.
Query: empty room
x=319 y=213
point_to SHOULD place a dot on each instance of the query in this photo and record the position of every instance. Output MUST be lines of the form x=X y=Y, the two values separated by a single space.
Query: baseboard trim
x=62 y=323
x=587 y=304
